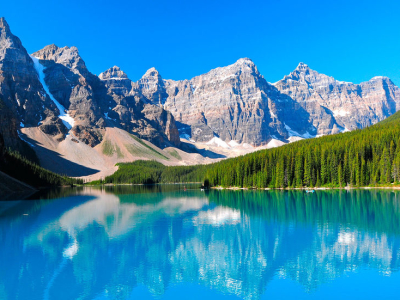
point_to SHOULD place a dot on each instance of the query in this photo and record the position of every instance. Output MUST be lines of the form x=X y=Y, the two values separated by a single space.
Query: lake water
x=162 y=242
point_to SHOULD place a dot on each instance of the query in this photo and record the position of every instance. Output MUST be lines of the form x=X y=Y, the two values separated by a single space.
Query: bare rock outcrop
x=337 y=105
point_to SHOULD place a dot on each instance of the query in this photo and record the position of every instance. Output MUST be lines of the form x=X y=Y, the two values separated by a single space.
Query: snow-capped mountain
x=233 y=103
x=51 y=97
x=236 y=103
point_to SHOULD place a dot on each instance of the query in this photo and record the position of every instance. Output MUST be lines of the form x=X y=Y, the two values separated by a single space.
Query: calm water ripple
x=162 y=242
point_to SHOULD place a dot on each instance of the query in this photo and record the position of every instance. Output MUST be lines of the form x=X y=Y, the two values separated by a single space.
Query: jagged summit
x=114 y=73
x=67 y=56
x=302 y=67
x=152 y=72
x=244 y=61
x=4 y=24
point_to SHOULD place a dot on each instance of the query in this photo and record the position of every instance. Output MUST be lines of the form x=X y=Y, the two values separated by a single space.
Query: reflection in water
x=102 y=243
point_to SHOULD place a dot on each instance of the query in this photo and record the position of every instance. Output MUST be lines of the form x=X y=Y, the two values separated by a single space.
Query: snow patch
x=114 y=78
x=275 y=143
x=64 y=116
x=293 y=139
x=216 y=141
x=295 y=133
x=233 y=143
x=340 y=113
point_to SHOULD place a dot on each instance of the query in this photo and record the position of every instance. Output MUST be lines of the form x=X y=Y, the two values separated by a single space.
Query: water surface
x=163 y=242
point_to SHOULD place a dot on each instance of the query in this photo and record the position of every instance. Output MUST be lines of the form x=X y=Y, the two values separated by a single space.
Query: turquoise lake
x=162 y=242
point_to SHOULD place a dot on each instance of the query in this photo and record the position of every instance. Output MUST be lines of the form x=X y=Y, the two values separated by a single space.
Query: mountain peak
x=151 y=73
x=245 y=62
x=302 y=67
x=4 y=24
x=114 y=73
x=67 y=56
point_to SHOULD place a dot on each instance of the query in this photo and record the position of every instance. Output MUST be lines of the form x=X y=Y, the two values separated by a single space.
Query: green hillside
x=370 y=156
x=149 y=172
x=28 y=171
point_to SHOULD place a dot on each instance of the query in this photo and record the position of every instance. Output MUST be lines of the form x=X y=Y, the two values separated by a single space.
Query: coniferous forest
x=369 y=156
x=364 y=157
x=19 y=167
x=150 y=172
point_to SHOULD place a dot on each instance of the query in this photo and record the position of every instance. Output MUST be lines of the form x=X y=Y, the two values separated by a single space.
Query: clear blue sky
x=350 y=40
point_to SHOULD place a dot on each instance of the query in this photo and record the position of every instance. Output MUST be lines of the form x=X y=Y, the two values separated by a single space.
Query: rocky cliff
x=337 y=105
x=23 y=101
x=232 y=103
x=237 y=103
x=97 y=102
x=54 y=91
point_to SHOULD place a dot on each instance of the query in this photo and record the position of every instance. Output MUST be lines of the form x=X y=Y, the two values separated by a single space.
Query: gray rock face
x=136 y=113
x=233 y=103
x=23 y=101
x=335 y=105
x=108 y=100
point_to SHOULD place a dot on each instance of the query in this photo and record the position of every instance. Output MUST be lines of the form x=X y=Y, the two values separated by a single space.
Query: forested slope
x=370 y=156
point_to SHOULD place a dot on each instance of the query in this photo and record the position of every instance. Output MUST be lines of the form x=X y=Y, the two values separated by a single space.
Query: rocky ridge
x=337 y=105
x=94 y=103
x=231 y=103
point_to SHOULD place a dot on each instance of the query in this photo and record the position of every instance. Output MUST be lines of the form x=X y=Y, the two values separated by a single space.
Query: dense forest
x=369 y=156
x=149 y=172
x=19 y=167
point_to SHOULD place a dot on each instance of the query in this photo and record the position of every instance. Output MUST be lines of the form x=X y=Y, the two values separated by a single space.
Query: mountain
x=370 y=156
x=56 y=112
x=336 y=105
x=23 y=101
x=233 y=103
x=136 y=113
x=236 y=103
x=94 y=103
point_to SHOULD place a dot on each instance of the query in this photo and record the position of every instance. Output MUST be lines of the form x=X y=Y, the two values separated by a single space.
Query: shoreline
x=309 y=189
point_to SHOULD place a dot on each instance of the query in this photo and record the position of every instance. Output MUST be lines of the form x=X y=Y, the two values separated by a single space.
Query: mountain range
x=81 y=124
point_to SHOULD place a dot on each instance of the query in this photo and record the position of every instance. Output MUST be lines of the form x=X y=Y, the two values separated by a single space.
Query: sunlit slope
x=369 y=156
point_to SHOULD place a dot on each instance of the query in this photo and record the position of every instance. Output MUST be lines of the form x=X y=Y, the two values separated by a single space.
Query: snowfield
x=64 y=116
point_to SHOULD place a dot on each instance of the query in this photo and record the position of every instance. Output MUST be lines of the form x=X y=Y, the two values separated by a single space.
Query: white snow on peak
x=344 y=82
x=114 y=78
x=340 y=113
x=64 y=116
x=379 y=78
x=216 y=141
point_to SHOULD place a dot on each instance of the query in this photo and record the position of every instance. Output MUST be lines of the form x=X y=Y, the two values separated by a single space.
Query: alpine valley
x=73 y=122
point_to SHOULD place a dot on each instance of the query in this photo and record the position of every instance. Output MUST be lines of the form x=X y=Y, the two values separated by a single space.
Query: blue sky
x=350 y=40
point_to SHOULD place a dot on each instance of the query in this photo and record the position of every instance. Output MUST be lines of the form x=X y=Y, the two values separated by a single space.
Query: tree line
x=150 y=172
x=369 y=156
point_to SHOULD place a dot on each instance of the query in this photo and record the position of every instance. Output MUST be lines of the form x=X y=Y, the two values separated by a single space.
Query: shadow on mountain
x=189 y=148
x=54 y=162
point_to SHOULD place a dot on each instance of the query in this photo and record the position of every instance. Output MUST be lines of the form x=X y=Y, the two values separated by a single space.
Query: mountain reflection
x=104 y=243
